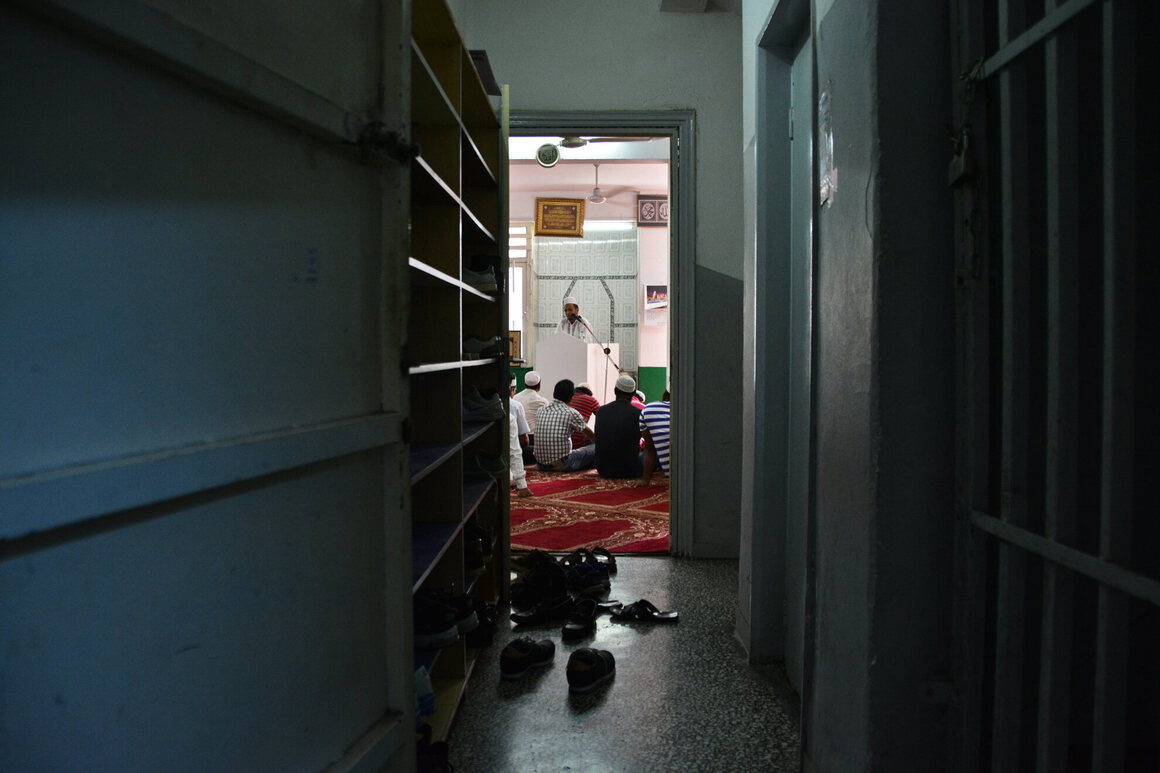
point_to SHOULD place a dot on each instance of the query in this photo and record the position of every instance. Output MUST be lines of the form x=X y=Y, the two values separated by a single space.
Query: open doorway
x=624 y=271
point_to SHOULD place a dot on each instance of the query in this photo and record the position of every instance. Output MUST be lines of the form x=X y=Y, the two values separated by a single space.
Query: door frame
x=680 y=127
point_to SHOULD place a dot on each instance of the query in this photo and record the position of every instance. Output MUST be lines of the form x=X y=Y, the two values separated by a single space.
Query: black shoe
x=589 y=668
x=435 y=624
x=548 y=611
x=484 y=633
x=474 y=562
x=473 y=530
x=581 y=620
x=527 y=561
x=544 y=583
x=460 y=605
x=523 y=654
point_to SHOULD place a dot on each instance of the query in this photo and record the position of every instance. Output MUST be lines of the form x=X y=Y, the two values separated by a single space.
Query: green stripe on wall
x=653 y=382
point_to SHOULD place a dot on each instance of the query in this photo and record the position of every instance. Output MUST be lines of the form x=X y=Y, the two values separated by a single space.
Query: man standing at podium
x=575 y=325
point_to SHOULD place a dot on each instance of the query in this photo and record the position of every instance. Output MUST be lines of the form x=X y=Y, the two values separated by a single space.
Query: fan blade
x=620 y=139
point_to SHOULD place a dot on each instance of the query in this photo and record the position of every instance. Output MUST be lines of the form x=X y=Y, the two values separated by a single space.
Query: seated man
x=654 y=426
x=618 y=434
x=555 y=424
x=585 y=404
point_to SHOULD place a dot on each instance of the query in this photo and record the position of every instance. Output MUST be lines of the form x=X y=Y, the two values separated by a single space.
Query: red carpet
x=573 y=510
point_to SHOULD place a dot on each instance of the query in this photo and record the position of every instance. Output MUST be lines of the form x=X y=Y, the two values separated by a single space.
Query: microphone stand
x=607 y=351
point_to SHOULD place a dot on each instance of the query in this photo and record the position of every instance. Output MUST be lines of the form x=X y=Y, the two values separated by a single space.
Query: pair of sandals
x=598 y=555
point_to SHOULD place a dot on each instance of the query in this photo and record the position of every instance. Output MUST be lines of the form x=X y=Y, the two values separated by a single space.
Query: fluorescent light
x=608 y=225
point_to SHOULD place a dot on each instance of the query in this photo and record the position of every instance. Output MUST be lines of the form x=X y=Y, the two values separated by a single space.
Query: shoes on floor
x=523 y=654
x=587 y=578
x=581 y=620
x=525 y=562
x=431 y=757
x=644 y=611
x=544 y=583
x=545 y=611
x=589 y=668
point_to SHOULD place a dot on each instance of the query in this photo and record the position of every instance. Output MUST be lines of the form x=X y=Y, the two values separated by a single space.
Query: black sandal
x=609 y=562
x=643 y=611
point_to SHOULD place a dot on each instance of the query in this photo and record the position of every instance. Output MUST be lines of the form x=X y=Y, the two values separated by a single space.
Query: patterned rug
x=573 y=510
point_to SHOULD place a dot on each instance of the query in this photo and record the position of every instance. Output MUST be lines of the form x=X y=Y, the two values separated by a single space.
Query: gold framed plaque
x=560 y=217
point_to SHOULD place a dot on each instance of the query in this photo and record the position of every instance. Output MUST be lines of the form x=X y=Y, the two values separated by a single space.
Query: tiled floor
x=683 y=698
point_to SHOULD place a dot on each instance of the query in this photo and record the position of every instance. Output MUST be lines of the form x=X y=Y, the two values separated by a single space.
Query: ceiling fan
x=599 y=196
x=548 y=154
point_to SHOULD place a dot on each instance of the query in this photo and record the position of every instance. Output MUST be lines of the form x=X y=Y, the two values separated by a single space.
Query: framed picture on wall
x=652 y=210
x=656 y=296
x=514 y=345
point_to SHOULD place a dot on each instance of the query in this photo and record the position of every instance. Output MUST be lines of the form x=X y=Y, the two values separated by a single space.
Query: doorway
x=673 y=126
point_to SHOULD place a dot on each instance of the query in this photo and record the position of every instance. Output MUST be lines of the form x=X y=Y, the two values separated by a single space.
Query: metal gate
x=1057 y=593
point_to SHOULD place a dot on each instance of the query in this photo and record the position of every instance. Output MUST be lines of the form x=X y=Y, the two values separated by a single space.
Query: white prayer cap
x=626 y=384
x=571 y=300
x=531 y=378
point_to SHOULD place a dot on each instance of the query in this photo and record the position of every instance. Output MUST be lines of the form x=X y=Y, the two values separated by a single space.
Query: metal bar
x=150 y=35
x=62 y=497
x=1062 y=146
x=1009 y=51
x=1119 y=345
x=973 y=303
x=1099 y=569
x=1012 y=570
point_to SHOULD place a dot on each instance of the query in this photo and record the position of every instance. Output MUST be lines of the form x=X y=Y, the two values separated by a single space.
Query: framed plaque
x=652 y=210
x=560 y=217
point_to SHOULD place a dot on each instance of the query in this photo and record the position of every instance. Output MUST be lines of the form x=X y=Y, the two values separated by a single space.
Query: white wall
x=627 y=55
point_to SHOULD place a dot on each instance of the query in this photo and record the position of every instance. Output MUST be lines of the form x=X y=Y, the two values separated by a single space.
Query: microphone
x=579 y=317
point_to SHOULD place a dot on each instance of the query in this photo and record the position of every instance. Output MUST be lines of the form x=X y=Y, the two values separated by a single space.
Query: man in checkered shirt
x=555 y=424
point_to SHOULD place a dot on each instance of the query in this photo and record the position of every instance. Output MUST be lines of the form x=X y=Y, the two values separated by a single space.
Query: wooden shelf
x=457 y=197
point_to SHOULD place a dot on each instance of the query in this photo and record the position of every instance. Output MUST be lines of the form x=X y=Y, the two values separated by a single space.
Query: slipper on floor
x=643 y=611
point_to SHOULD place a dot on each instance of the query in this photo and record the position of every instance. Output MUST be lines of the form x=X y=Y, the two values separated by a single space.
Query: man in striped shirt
x=555 y=424
x=654 y=427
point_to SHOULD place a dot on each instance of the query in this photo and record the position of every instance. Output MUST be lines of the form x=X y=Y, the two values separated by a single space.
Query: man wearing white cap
x=618 y=452
x=575 y=325
x=532 y=401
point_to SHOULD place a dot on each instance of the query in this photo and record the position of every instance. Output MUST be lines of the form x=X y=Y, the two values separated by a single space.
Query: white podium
x=563 y=356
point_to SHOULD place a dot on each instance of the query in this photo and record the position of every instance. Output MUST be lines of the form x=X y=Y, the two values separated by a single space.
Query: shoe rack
x=458 y=211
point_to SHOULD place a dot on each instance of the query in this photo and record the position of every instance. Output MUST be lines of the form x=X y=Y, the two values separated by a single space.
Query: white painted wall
x=627 y=55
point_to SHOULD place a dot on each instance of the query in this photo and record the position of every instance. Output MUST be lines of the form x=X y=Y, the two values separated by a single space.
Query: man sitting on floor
x=555 y=424
x=654 y=426
x=618 y=434
x=585 y=404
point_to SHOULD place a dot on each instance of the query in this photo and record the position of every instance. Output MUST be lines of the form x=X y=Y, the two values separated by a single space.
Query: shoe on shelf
x=522 y=654
x=435 y=624
x=483 y=263
x=474 y=563
x=589 y=668
x=474 y=531
x=481 y=280
x=424 y=693
x=482 y=636
x=480 y=463
x=487 y=410
x=477 y=348
x=459 y=604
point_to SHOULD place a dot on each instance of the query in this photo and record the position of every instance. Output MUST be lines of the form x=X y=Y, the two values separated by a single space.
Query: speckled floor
x=683 y=698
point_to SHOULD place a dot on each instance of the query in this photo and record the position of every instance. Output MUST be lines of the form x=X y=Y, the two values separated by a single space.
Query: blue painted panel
x=173 y=269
